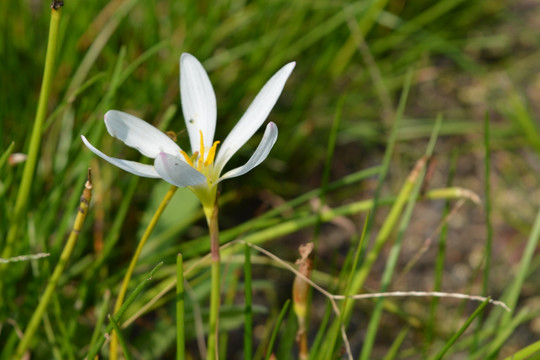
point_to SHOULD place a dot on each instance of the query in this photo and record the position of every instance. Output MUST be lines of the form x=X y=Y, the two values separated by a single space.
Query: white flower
x=201 y=171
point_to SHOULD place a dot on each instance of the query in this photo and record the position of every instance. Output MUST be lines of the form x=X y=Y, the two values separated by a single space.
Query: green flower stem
x=213 y=336
x=113 y=346
x=64 y=257
x=35 y=140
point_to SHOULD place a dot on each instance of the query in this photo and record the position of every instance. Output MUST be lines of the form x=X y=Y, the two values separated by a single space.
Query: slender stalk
x=64 y=257
x=113 y=346
x=35 y=140
x=180 y=320
x=212 y=220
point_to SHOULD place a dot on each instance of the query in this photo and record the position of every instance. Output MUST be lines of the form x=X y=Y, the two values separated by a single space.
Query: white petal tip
x=85 y=140
x=187 y=57
x=110 y=113
x=289 y=68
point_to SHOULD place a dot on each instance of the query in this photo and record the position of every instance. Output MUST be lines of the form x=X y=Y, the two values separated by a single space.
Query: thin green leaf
x=276 y=328
x=120 y=337
x=180 y=316
x=454 y=337
x=248 y=311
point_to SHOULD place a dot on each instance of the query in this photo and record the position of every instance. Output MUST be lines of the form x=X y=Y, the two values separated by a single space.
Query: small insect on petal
x=172 y=135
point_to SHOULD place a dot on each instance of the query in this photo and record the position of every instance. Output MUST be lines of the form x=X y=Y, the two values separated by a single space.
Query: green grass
x=379 y=86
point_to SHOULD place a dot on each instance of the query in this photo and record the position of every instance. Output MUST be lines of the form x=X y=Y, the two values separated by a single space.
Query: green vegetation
x=408 y=153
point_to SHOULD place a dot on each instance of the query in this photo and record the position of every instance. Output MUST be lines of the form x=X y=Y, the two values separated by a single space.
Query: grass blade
x=440 y=260
x=396 y=344
x=100 y=318
x=487 y=205
x=35 y=139
x=505 y=333
x=248 y=311
x=120 y=337
x=525 y=262
x=454 y=338
x=276 y=329
x=526 y=352
x=180 y=316
x=489 y=227
x=5 y=155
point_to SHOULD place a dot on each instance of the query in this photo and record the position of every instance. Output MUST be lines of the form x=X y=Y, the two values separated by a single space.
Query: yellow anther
x=186 y=156
x=211 y=154
x=201 y=158
x=197 y=159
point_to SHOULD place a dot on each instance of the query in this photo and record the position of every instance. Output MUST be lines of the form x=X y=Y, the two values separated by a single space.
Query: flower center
x=198 y=161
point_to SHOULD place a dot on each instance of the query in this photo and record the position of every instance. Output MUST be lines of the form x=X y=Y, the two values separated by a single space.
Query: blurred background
x=468 y=59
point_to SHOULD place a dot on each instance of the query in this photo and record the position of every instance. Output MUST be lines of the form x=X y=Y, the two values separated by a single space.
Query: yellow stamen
x=197 y=159
x=211 y=154
x=201 y=158
x=188 y=160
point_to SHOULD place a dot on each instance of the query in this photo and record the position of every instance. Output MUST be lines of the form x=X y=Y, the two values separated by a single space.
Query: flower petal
x=139 y=134
x=255 y=115
x=262 y=151
x=198 y=102
x=129 y=166
x=176 y=171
